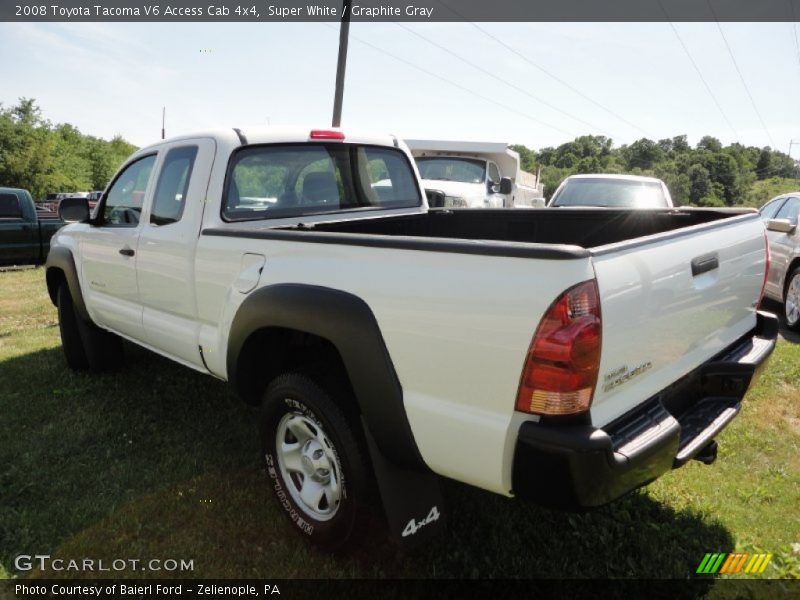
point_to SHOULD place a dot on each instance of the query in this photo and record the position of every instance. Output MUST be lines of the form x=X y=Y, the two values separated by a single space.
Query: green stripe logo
x=733 y=563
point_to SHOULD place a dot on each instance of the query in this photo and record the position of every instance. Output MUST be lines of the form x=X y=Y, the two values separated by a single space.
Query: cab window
x=494 y=173
x=123 y=205
x=10 y=207
x=173 y=184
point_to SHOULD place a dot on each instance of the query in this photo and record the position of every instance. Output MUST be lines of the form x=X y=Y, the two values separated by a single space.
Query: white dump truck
x=475 y=175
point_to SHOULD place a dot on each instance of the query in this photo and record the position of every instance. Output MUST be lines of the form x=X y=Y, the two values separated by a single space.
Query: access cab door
x=108 y=250
x=165 y=257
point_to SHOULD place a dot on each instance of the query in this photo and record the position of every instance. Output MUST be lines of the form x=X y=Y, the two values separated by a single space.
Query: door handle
x=127 y=251
x=705 y=263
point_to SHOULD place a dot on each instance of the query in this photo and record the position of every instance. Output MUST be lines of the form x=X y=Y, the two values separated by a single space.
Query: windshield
x=617 y=193
x=465 y=170
x=288 y=180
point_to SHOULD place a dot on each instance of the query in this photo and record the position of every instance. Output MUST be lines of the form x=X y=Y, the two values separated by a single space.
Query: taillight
x=326 y=134
x=563 y=360
x=766 y=269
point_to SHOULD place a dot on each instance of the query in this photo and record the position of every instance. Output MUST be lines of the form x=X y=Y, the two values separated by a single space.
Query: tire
x=316 y=461
x=70 y=334
x=103 y=349
x=791 y=301
x=86 y=346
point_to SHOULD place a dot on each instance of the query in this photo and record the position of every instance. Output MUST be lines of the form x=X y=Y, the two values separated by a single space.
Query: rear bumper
x=573 y=467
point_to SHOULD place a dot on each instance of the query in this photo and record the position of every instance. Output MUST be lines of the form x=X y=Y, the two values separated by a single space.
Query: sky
x=538 y=84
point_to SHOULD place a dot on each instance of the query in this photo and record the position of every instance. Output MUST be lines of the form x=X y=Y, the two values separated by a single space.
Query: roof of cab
x=280 y=134
x=614 y=176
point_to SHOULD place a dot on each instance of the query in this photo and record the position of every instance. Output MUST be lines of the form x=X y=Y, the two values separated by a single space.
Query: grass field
x=157 y=461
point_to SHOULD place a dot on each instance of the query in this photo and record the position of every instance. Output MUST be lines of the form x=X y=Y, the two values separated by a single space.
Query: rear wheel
x=316 y=461
x=791 y=301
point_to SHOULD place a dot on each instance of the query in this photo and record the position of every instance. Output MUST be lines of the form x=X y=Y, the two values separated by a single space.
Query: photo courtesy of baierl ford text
x=401 y=298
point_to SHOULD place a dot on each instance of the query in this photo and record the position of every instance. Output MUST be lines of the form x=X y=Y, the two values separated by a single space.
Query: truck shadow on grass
x=156 y=461
x=785 y=332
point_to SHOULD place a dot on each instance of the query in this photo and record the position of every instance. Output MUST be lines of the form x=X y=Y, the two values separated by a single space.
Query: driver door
x=108 y=251
x=781 y=246
x=495 y=199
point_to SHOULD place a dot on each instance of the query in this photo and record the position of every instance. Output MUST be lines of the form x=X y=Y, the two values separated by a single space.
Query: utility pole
x=793 y=143
x=344 y=34
x=163 y=121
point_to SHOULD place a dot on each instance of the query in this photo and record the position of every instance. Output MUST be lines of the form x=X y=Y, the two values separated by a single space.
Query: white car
x=612 y=191
x=783 y=281
x=563 y=356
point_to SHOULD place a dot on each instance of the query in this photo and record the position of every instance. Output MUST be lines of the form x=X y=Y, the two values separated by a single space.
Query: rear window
x=289 y=180
x=616 y=193
x=10 y=207
x=464 y=170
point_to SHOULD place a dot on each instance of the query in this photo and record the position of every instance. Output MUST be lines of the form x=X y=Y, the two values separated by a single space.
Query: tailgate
x=670 y=303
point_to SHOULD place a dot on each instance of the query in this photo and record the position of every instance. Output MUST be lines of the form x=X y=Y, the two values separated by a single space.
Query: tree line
x=709 y=174
x=45 y=157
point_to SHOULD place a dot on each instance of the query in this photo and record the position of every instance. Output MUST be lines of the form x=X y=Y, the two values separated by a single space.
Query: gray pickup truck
x=24 y=233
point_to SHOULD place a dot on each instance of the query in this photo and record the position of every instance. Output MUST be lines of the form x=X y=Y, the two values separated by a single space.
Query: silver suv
x=783 y=280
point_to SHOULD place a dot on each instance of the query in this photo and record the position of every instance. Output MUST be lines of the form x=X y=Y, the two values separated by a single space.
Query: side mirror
x=74 y=210
x=506 y=186
x=781 y=225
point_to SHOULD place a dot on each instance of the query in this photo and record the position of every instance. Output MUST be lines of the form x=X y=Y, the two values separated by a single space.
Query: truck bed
x=583 y=227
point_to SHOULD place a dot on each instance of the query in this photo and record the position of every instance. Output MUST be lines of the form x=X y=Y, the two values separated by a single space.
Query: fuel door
x=249 y=272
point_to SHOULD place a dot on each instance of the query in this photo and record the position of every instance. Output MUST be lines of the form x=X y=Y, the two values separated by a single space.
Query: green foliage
x=709 y=174
x=44 y=157
x=699 y=182
x=766 y=189
x=710 y=201
x=643 y=154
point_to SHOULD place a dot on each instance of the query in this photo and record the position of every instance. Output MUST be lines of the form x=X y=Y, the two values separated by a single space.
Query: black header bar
x=177 y=11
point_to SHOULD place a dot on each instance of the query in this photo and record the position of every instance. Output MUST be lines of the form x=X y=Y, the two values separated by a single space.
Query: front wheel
x=791 y=301
x=317 y=462
x=86 y=346
x=68 y=325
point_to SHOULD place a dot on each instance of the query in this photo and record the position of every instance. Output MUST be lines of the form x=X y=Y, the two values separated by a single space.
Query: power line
x=741 y=77
x=546 y=72
x=793 y=143
x=500 y=79
x=699 y=72
x=457 y=85
x=796 y=41
x=794 y=23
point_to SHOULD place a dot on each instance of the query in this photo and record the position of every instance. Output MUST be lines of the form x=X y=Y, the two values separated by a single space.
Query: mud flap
x=412 y=499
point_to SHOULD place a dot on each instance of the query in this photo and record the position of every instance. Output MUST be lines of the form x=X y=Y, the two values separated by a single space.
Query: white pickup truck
x=565 y=356
x=475 y=175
